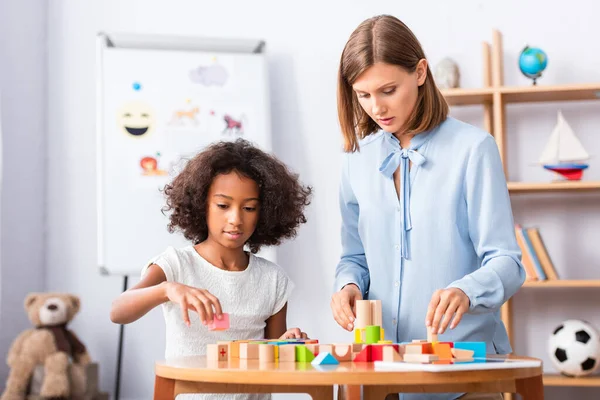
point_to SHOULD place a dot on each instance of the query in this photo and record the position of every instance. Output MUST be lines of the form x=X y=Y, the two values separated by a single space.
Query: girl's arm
x=134 y=303
x=153 y=290
x=277 y=327
x=492 y=232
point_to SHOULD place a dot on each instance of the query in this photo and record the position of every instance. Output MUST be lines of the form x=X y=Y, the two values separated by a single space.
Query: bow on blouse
x=400 y=158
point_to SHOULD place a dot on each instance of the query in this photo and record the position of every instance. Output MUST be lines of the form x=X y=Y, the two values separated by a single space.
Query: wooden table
x=197 y=375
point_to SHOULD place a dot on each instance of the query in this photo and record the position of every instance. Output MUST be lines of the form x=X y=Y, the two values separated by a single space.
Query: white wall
x=304 y=42
x=23 y=111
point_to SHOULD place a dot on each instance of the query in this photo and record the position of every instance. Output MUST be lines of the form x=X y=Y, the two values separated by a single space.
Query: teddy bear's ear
x=30 y=299
x=75 y=303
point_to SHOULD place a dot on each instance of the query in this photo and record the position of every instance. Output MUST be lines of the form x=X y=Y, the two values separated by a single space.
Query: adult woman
x=427 y=225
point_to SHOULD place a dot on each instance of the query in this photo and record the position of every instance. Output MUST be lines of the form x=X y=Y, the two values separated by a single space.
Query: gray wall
x=23 y=71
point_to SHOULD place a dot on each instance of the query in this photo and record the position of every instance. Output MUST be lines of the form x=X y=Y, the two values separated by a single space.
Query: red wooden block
x=364 y=355
x=377 y=351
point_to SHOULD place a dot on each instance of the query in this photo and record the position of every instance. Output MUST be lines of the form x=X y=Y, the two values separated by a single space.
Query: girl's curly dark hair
x=282 y=196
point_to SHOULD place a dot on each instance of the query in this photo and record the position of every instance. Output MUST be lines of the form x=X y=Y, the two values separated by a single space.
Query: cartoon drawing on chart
x=233 y=126
x=182 y=116
x=136 y=119
x=150 y=166
x=214 y=74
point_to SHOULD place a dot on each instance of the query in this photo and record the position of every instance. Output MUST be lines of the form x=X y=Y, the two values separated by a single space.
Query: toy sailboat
x=564 y=154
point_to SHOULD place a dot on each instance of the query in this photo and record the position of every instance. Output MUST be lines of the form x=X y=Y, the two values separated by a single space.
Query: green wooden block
x=372 y=334
x=303 y=354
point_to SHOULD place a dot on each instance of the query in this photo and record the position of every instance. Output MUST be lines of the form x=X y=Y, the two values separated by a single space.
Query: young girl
x=427 y=225
x=229 y=196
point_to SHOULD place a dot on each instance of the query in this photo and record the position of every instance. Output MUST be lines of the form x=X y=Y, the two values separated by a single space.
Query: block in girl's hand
x=219 y=324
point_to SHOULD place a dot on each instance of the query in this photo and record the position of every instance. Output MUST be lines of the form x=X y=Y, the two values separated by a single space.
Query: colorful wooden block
x=359 y=335
x=357 y=347
x=342 y=352
x=431 y=336
x=372 y=334
x=442 y=350
x=266 y=353
x=377 y=351
x=233 y=348
x=364 y=355
x=219 y=324
x=287 y=352
x=460 y=353
x=216 y=352
x=419 y=348
x=363 y=314
x=249 y=351
x=314 y=348
x=420 y=358
x=376 y=314
x=303 y=354
x=324 y=358
x=391 y=355
x=479 y=348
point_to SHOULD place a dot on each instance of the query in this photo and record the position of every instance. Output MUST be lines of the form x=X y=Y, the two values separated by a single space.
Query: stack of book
x=535 y=258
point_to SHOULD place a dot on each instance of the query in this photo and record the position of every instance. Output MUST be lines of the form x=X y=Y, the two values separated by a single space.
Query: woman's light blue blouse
x=451 y=226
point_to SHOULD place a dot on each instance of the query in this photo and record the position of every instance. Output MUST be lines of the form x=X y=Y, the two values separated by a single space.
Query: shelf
x=540 y=93
x=559 y=380
x=524 y=187
x=564 y=283
x=523 y=94
x=462 y=97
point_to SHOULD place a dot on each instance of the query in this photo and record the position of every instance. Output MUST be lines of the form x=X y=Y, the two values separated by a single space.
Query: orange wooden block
x=216 y=352
x=442 y=350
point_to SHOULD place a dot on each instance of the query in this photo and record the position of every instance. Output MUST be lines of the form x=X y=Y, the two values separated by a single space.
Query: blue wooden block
x=325 y=358
x=479 y=348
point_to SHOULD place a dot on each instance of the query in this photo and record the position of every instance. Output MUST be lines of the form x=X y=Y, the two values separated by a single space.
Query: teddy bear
x=49 y=344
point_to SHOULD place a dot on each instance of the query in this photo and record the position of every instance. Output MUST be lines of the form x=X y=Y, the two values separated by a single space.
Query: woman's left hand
x=294 y=333
x=449 y=304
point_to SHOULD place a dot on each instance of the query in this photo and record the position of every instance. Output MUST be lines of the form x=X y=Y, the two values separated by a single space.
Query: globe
x=532 y=62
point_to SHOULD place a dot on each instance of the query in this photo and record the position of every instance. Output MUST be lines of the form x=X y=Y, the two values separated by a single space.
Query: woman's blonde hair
x=388 y=40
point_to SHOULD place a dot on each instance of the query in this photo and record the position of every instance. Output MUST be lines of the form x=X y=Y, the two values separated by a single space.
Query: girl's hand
x=191 y=298
x=446 y=303
x=342 y=306
x=294 y=333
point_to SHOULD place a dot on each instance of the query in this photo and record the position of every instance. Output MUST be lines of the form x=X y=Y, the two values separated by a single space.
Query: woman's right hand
x=191 y=298
x=342 y=306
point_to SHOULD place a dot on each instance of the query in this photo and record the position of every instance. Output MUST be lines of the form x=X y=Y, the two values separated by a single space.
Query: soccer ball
x=574 y=348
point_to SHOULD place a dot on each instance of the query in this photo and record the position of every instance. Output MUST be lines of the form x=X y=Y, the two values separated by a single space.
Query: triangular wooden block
x=364 y=355
x=325 y=359
x=303 y=354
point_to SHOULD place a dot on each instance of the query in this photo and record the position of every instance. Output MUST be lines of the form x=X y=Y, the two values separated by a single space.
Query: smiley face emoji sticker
x=136 y=119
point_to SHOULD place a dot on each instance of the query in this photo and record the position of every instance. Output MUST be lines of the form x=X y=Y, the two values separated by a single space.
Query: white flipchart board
x=160 y=100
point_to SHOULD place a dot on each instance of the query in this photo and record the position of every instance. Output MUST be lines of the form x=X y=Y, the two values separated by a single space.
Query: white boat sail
x=563 y=146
